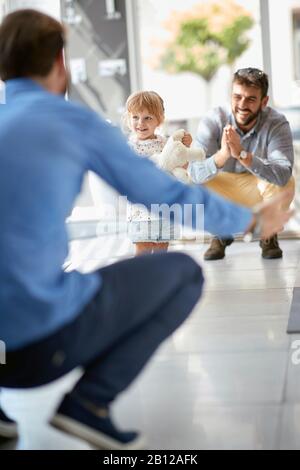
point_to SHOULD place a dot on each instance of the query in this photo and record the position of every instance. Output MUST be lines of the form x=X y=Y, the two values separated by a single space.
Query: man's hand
x=187 y=139
x=223 y=154
x=234 y=143
x=271 y=215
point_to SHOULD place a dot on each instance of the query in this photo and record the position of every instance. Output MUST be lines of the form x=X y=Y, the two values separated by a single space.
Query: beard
x=246 y=120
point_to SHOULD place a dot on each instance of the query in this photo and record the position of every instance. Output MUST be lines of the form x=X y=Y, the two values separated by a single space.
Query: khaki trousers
x=246 y=189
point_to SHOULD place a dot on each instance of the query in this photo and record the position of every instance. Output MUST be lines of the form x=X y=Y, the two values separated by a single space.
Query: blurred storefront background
x=186 y=51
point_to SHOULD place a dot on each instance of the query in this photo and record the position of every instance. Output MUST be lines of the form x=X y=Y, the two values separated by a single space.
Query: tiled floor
x=225 y=380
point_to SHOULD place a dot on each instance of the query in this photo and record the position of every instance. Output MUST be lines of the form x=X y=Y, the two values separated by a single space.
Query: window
x=296 y=41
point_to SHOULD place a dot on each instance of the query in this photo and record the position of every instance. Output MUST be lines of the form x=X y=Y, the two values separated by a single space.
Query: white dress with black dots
x=144 y=226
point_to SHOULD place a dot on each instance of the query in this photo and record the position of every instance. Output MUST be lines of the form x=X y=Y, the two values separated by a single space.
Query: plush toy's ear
x=178 y=135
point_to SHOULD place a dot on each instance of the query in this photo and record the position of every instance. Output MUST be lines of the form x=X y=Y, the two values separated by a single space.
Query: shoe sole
x=8 y=430
x=213 y=259
x=271 y=257
x=95 y=438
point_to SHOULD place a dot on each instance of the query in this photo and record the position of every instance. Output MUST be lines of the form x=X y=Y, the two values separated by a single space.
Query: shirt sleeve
x=208 y=137
x=202 y=171
x=277 y=167
x=142 y=182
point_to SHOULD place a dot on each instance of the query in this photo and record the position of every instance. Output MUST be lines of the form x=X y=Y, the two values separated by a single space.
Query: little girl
x=144 y=114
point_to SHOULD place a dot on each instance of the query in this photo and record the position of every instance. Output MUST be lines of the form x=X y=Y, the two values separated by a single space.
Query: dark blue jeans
x=141 y=302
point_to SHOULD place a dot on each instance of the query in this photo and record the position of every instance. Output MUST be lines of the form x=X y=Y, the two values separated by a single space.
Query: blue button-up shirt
x=47 y=145
x=270 y=141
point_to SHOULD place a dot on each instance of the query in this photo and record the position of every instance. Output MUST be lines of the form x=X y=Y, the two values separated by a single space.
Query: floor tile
x=227 y=334
x=290 y=428
x=206 y=427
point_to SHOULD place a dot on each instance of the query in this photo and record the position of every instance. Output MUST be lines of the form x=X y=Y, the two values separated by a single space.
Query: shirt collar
x=133 y=138
x=18 y=86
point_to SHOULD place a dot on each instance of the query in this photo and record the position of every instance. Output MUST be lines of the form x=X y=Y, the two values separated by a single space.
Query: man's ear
x=60 y=59
x=61 y=73
x=264 y=102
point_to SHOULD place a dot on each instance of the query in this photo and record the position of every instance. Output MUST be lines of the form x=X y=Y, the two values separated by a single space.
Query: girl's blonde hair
x=149 y=100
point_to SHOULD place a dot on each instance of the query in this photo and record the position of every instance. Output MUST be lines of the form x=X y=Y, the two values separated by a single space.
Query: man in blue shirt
x=249 y=153
x=110 y=321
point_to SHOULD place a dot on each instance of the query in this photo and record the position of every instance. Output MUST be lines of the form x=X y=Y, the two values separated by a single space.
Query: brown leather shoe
x=270 y=248
x=217 y=248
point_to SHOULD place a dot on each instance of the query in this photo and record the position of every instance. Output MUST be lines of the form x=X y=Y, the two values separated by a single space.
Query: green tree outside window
x=206 y=37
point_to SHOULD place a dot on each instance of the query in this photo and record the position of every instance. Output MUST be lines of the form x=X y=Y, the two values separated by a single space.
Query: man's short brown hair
x=30 y=42
x=252 y=77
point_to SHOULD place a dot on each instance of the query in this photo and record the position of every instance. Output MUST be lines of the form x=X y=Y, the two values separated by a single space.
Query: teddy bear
x=175 y=154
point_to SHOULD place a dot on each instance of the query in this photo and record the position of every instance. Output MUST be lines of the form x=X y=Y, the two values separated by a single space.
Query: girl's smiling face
x=143 y=124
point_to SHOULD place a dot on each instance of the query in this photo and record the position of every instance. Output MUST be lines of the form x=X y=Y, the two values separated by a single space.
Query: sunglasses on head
x=250 y=71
